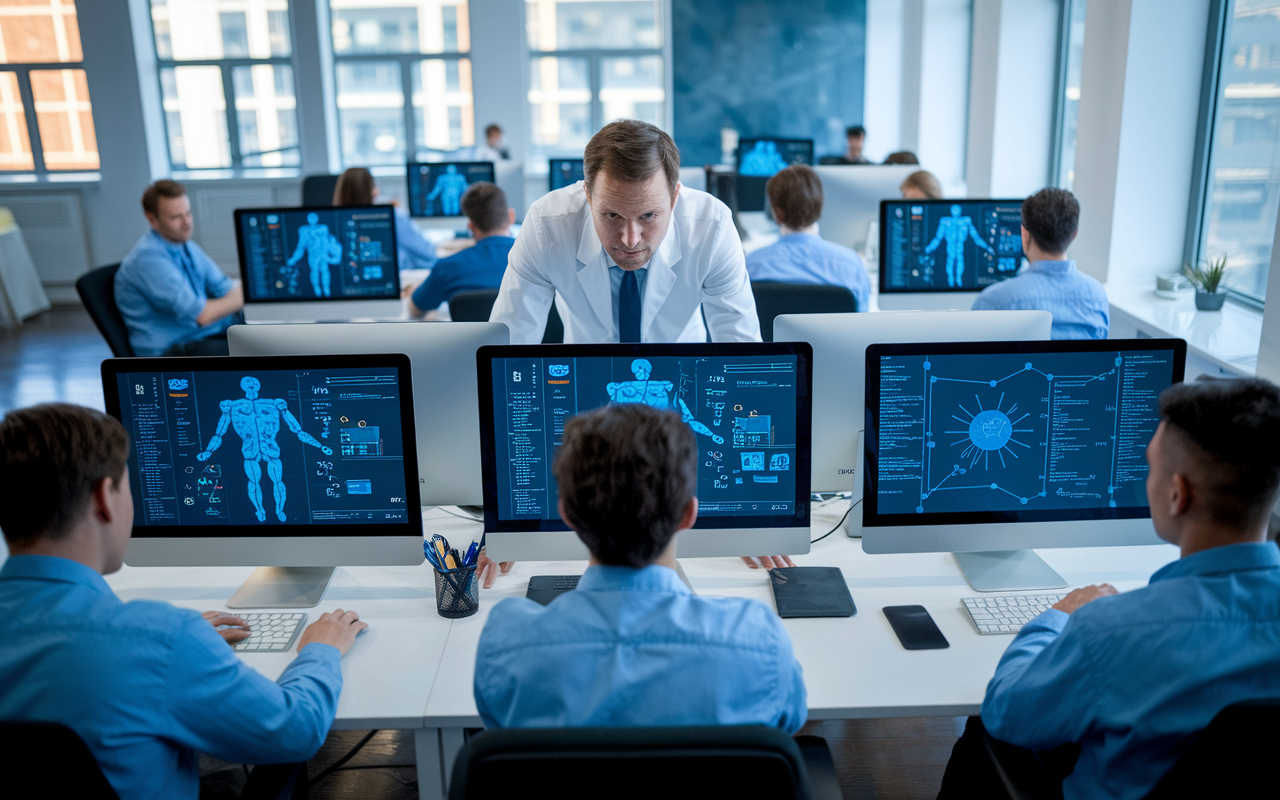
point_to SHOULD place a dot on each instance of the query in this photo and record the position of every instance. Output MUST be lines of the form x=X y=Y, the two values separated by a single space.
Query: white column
x=313 y=81
x=499 y=60
x=944 y=90
x=1269 y=347
x=882 y=92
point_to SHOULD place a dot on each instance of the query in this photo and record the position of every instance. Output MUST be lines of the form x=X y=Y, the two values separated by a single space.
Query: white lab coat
x=698 y=265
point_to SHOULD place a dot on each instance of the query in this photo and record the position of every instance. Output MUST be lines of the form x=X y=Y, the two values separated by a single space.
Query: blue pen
x=473 y=552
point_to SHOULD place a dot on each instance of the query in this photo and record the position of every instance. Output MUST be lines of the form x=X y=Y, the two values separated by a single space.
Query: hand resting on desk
x=338 y=628
x=768 y=562
x=489 y=569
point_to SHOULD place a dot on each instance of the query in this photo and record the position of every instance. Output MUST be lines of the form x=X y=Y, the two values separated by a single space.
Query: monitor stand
x=1008 y=571
x=283 y=587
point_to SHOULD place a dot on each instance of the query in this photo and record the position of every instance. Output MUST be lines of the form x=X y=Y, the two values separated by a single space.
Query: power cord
x=337 y=765
x=838 y=524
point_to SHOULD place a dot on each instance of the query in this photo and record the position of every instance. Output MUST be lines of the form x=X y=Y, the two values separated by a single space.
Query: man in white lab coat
x=628 y=254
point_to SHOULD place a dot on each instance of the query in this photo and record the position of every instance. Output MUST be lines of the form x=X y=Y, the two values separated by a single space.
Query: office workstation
x=857 y=402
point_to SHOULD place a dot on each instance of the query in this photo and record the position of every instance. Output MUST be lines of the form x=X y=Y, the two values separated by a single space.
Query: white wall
x=882 y=94
x=944 y=90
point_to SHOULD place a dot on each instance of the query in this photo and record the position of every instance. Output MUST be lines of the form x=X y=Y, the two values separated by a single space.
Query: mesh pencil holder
x=457 y=592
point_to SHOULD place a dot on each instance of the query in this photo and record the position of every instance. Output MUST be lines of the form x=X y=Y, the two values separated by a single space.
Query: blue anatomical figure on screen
x=762 y=159
x=654 y=393
x=257 y=422
x=322 y=250
x=449 y=188
x=954 y=230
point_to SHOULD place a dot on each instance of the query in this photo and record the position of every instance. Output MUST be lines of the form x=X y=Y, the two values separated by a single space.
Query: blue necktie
x=629 y=308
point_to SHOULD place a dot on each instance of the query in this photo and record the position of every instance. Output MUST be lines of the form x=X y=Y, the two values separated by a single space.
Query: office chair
x=97 y=290
x=685 y=763
x=476 y=305
x=317 y=190
x=774 y=298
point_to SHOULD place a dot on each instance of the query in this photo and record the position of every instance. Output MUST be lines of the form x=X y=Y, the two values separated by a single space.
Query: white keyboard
x=1007 y=613
x=271 y=632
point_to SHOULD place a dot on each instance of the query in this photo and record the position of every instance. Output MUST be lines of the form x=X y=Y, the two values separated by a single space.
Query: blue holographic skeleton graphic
x=449 y=188
x=654 y=393
x=322 y=250
x=954 y=230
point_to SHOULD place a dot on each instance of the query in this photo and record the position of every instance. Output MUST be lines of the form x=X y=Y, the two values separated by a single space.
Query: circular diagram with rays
x=989 y=431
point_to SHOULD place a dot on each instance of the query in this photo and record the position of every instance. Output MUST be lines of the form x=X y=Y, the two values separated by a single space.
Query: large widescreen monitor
x=747 y=403
x=565 y=172
x=759 y=159
x=436 y=188
x=948 y=245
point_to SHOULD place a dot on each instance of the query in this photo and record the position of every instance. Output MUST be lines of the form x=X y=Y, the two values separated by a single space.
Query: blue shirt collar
x=52 y=568
x=653 y=578
x=1053 y=267
x=165 y=243
x=1217 y=560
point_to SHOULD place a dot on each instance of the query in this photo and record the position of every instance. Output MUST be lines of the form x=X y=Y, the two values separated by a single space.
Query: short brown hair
x=626 y=474
x=486 y=206
x=354 y=188
x=492 y=128
x=926 y=182
x=1052 y=217
x=795 y=195
x=51 y=458
x=161 y=188
x=902 y=157
x=631 y=150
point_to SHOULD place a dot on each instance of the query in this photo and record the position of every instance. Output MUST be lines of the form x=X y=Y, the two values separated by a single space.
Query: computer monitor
x=941 y=253
x=759 y=159
x=989 y=449
x=840 y=343
x=748 y=404
x=444 y=386
x=297 y=462
x=851 y=195
x=565 y=172
x=435 y=189
x=318 y=263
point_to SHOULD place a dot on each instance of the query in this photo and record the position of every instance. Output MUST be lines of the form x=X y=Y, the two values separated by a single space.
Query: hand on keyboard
x=1084 y=596
x=237 y=629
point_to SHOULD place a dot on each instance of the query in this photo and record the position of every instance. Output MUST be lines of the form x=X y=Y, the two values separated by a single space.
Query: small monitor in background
x=948 y=245
x=436 y=189
x=760 y=159
x=565 y=172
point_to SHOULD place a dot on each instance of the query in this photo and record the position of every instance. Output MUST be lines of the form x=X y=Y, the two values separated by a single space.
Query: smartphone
x=915 y=628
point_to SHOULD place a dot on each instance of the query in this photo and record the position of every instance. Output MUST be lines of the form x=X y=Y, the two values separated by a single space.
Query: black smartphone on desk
x=915 y=628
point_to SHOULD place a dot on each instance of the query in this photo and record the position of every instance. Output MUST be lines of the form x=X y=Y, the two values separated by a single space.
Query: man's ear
x=1180 y=497
x=511 y=217
x=690 y=515
x=101 y=500
x=675 y=195
x=560 y=510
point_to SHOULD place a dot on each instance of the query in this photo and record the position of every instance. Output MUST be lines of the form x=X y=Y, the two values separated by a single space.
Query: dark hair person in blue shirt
x=1130 y=679
x=480 y=266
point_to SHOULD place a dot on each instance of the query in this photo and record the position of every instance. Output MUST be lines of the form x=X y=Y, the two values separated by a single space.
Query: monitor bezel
x=884 y=244
x=804 y=420
x=870 y=514
x=246 y=284
x=408 y=183
x=112 y=367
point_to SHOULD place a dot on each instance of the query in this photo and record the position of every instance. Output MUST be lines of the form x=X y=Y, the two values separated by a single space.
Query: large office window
x=226 y=83
x=593 y=61
x=46 y=120
x=393 y=104
x=1071 y=64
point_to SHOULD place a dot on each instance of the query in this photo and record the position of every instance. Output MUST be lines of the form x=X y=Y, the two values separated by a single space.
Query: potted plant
x=1207 y=277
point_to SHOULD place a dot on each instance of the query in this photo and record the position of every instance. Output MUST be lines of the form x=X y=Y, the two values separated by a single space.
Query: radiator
x=53 y=227
x=215 y=229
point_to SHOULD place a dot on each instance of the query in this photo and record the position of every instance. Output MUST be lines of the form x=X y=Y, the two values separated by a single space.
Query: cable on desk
x=467 y=517
x=335 y=766
x=838 y=524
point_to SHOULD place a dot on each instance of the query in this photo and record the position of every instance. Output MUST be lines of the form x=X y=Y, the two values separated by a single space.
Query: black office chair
x=690 y=763
x=97 y=290
x=476 y=305
x=317 y=190
x=774 y=298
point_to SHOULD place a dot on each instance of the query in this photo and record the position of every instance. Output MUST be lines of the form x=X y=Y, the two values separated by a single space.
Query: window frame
x=1063 y=57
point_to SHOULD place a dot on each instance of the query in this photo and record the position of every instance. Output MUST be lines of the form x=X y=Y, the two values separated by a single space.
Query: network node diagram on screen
x=449 y=187
x=654 y=393
x=322 y=250
x=953 y=230
x=762 y=159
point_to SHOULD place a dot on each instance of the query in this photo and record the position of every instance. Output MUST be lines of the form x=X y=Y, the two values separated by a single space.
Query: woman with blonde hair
x=921 y=185
x=356 y=187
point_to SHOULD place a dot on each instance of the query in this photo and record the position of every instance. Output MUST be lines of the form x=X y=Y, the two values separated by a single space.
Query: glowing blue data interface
x=319 y=253
x=1017 y=432
x=742 y=409
x=435 y=190
x=763 y=157
x=265 y=447
x=565 y=172
x=951 y=246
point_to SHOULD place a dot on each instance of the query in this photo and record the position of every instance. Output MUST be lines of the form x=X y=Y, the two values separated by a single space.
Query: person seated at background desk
x=800 y=255
x=356 y=187
x=480 y=266
x=632 y=645
x=146 y=685
x=902 y=157
x=921 y=185
x=1050 y=219
x=1132 y=678
x=491 y=150
x=173 y=298
x=855 y=137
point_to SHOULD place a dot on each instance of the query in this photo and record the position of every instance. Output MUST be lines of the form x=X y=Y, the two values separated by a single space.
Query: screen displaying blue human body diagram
x=318 y=253
x=760 y=159
x=743 y=410
x=949 y=245
x=565 y=172
x=435 y=190
x=269 y=448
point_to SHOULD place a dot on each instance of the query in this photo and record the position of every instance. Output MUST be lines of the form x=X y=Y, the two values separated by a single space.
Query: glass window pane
x=442 y=108
x=196 y=112
x=400 y=26
x=15 y=145
x=1245 y=164
x=560 y=99
x=598 y=24
x=371 y=113
x=187 y=30
x=65 y=118
x=266 y=115
x=39 y=32
x=1071 y=101
x=632 y=88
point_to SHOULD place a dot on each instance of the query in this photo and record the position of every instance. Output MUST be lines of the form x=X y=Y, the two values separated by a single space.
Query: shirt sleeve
x=795 y=707
x=432 y=292
x=526 y=294
x=165 y=286
x=216 y=282
x=727 y=302
x=985 y=301
x=409 y=239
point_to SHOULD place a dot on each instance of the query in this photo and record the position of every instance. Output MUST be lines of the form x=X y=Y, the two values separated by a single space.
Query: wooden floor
x=56 y=355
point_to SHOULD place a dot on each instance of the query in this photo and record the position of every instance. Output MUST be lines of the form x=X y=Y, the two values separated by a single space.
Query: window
x=592 y=61
x=220 y=56
x=1072 y=44
x=393 y=104
x=46 y=119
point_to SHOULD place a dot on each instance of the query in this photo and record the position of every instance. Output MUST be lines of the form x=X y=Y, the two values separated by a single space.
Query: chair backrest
x=97 y=290
x=52 y=761
x=1230 y=758
x=774 y=298
x=317 y=190
x=744 y=763
x=476 y=305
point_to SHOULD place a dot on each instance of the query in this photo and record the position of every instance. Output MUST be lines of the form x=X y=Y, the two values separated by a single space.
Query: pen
x=473 y=552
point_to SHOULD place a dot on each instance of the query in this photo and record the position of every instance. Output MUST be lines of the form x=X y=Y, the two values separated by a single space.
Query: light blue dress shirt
x=162 y=287
x=806 y=258
x=1077 y=301
x=636 y=647
x=615 y=285
x=413 y=250
x=1134 y=676
x=146 y=684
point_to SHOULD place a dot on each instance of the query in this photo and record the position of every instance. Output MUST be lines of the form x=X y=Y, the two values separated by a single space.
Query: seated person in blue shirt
x=480 y=266
x=800 y=255
x=146 y=685
x=356 y=187
x=632 y=645
x=1130 y=679
x=174 y=299
x=1050 y=218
